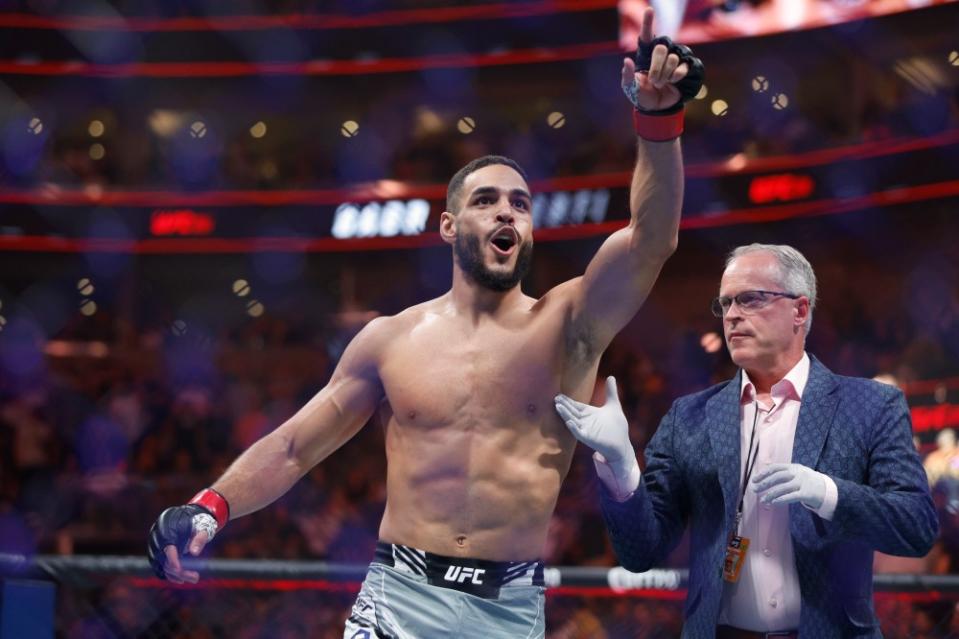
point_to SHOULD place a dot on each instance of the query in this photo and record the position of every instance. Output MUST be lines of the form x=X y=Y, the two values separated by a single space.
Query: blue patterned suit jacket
x=855 y=430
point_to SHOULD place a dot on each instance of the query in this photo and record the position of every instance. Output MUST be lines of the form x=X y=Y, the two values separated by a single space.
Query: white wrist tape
x=205 y=523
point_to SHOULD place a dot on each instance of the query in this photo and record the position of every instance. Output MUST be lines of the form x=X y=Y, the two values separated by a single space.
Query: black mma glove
x=660 y=125
x=207 y=512
x=688 y=87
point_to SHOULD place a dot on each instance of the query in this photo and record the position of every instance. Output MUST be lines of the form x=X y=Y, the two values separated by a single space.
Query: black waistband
x=480 y=577
x=729 y=632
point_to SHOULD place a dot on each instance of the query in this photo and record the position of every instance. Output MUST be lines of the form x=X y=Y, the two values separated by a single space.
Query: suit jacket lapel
x=724 y=426
x=816 y=414
x=819 y=402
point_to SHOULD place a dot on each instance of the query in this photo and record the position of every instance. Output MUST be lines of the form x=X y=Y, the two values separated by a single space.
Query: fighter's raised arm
x=618 y=279
x=270 y=467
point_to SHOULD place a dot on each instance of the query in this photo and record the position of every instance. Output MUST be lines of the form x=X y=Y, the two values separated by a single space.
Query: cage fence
x=93 y=597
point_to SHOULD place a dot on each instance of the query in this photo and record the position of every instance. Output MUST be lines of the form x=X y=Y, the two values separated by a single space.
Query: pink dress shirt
x=767 y=596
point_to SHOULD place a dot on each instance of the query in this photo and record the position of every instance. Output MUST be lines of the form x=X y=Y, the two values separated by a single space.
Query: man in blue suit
x=788 y=475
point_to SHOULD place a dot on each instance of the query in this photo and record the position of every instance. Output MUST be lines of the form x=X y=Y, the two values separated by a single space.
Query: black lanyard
x=750 y=464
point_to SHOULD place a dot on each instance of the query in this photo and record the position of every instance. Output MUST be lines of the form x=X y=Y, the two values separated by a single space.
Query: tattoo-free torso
x=476 y=452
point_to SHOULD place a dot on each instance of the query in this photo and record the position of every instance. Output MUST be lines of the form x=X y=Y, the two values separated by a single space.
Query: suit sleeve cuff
x=621 y=480
x=828 y=507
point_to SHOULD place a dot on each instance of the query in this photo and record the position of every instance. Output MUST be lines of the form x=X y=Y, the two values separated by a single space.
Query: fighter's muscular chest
x=446 y=370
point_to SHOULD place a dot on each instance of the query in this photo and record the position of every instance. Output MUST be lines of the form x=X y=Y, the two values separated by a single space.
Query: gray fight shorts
x=413 y=594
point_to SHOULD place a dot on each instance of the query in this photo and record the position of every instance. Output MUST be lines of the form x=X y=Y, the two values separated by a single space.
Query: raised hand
x=664 y=74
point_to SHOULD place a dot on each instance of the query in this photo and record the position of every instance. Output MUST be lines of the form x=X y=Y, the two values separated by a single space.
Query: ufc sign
x=461 y=574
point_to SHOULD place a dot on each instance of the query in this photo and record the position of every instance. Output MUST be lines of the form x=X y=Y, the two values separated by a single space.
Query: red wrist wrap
x=658 y=128
x=215 y=503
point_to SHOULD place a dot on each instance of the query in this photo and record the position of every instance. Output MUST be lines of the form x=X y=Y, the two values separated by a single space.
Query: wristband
x=215 y=503
x=658 y=128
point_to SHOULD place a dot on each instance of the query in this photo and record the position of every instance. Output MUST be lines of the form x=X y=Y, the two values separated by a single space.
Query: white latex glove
x=606 y=431
x=789 y=483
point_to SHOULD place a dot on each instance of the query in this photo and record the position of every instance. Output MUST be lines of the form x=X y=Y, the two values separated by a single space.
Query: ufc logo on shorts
x=460 y=574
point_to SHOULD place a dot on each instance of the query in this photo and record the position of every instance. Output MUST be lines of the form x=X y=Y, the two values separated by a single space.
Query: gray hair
x=795 y=272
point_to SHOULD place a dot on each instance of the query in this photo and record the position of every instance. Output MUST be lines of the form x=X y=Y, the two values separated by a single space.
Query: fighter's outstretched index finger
x=646 y=33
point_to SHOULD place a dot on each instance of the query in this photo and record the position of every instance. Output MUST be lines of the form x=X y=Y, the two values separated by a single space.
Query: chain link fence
x=117 y=597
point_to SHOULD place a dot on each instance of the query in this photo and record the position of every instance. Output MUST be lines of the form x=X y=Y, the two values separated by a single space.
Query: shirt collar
x=790 y=386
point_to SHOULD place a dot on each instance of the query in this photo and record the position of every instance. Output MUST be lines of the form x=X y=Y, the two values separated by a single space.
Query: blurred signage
x=409 y=217
x=691 y=21
x=375 y=219
x=783 y=187
x=934 y=417
x=813 y=184
x=181 y=222
x=570 y=207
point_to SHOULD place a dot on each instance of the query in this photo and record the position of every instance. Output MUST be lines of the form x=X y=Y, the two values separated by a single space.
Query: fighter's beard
x=469 y=255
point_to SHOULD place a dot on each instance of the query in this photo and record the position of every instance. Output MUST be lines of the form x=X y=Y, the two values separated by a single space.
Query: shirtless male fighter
x=464 y=385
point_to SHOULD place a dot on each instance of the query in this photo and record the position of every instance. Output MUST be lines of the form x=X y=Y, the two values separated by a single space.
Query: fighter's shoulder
x=378 y=331
x=386 y=328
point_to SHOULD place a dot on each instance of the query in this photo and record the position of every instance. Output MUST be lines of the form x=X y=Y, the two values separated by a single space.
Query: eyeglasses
x=747 y=301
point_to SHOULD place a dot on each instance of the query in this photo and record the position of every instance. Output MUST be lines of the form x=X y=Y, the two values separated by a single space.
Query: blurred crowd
x=398 y=139
x=280 y=132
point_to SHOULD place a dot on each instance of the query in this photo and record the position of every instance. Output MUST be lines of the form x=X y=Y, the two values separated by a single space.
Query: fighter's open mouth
x=504 y=239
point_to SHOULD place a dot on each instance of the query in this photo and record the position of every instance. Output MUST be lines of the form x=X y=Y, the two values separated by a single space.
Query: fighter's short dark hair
x=456 y=184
